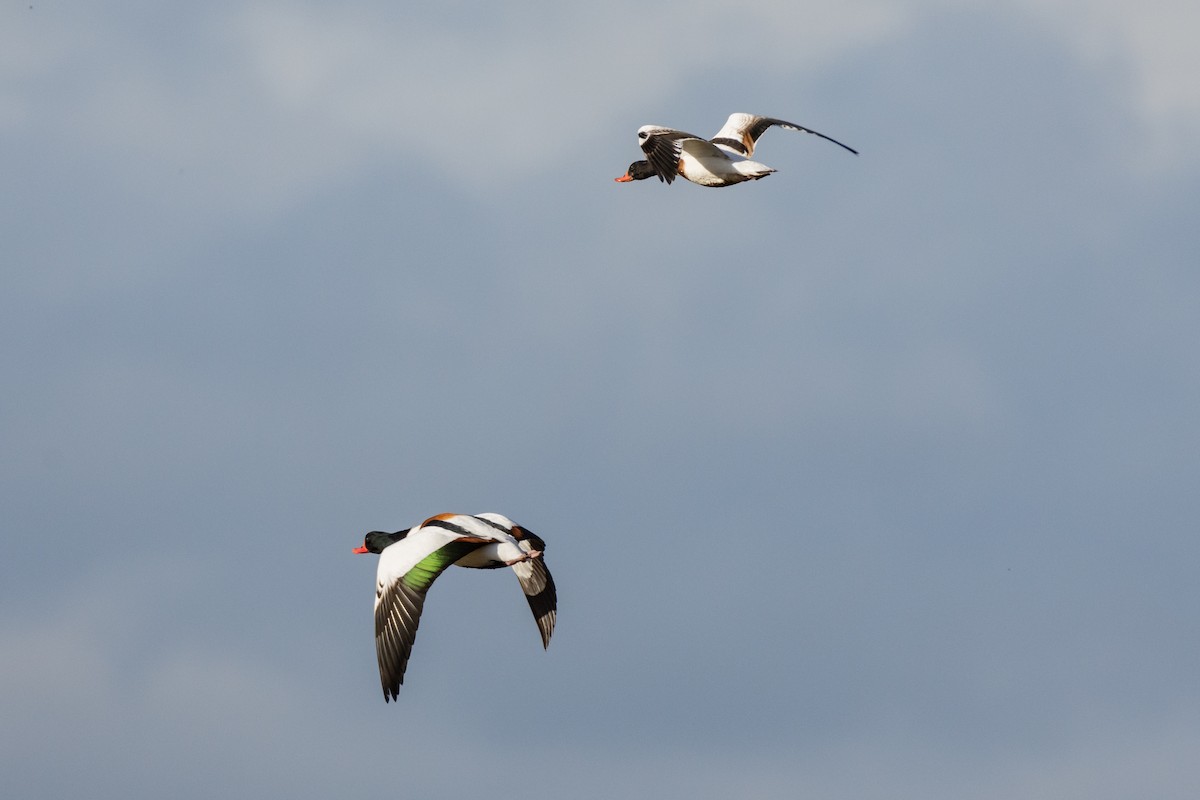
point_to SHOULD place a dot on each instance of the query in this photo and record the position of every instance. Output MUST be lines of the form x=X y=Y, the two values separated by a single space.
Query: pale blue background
x=873 y=479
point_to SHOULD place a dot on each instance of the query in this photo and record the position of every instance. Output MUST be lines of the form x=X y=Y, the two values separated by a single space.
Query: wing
x=662 y=147
x=741 y=133
x=703 y=150
x=539 y=590
x=406 y=571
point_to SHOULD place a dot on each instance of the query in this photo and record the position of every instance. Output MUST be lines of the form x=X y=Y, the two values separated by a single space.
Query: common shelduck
x=410 y=561
x=720 y=161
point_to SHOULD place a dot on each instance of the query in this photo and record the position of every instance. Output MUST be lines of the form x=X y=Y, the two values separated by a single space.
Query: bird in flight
x=411 y=560
x=720 y=161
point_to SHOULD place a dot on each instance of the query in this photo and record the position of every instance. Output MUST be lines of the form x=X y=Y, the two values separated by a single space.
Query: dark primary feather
x=398 y=613
x=762 y=123
x=396 y=620
x=543 y=598
x=662 y=149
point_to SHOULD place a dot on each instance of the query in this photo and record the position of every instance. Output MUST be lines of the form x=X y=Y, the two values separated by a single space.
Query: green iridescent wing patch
x=425 y=571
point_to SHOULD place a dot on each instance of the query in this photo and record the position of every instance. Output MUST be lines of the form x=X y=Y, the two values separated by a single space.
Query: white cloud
x=485 y=107
x=293 y=97
x=1153 y=43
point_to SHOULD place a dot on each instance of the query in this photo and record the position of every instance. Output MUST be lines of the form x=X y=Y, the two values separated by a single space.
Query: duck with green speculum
x=411 y=560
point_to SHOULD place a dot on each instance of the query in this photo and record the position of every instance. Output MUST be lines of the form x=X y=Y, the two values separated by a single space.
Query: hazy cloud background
x=873 y=479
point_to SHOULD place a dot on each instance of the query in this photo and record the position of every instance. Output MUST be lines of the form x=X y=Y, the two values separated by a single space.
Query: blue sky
x=872 y=479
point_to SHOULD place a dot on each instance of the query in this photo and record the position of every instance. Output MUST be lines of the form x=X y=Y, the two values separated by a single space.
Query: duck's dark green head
x=638 y=171
x=375 y=541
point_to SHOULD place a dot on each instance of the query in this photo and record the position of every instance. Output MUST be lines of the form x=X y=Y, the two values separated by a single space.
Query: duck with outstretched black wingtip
x=411 y=560
x=720 y=161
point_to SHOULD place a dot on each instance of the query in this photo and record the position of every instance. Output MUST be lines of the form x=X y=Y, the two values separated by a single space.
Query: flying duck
x=410 y=561
x=720 y=161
